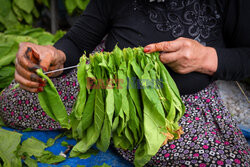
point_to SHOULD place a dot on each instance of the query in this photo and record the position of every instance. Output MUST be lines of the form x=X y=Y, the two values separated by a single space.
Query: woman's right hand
x=28 y=60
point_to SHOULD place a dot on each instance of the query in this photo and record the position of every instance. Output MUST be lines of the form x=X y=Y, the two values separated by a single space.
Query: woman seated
x=199 y=41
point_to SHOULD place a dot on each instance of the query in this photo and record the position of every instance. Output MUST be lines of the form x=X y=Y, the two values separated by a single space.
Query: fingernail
x=44 y=69
x=41 y=80
x=39 y=89
x=147 y=49
x=35 y=67
x=42 y=84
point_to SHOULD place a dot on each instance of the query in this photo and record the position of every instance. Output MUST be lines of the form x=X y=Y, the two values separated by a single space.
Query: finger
x=32 y=55
x=52 y=68
x=45 y=63
x=23 y=47
x=28 y=75
x=26 y=82
x=33 y=90
x=167 y=46
x=26 y=63
x=167 y=58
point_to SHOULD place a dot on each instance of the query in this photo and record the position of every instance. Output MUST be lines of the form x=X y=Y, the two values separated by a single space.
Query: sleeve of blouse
x=87 y=32
x=234 y=60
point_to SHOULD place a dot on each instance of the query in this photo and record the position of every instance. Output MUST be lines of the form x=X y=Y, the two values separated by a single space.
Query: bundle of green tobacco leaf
x=128 y=96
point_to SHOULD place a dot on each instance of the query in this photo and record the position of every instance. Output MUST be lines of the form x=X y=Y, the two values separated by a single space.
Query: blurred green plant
x=14 y=13
x=75 y=5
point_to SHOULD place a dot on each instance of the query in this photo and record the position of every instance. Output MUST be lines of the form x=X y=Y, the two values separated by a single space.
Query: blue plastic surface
x=246 y=132
x=110 y=157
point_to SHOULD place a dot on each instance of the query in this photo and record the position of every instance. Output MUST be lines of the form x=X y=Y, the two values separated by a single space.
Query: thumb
x=166 y=46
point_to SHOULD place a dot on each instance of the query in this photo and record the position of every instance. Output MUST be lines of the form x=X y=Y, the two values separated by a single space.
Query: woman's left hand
x=185 y=55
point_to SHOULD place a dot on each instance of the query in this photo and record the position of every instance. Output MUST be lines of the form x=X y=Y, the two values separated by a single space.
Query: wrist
x=62 y=56
x=209 y=62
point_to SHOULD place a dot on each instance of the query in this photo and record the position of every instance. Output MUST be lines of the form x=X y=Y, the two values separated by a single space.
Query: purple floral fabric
x=211 y=136
x=20 y=109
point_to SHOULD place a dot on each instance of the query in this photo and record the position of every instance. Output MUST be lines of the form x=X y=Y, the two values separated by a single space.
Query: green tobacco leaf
x=105 y=136
x=88 y=114
x=5 y=8
x=10 y=142
x=17 y=38
x=25 y=5
x=64 y=143
x=88 y=154
x=1 y=121
x=6 y=82
x=7 y=57
x=30 y=162
x=103 y=165
x=81 y=97
x=18 y=12
x=45 y=38
x=32 y=32
x=94 y=130
x=7 y=17
x=70 y=5
x=59 y=34
x=27 y=129
x=82 y=4
x=51 y=102
x=50 y=142
x=7 y=71
x=5 y=48
x=45 y=2
x=154 y=126
x=27 y=17
x=32 y=146
x=49 y=158
x=35 y=12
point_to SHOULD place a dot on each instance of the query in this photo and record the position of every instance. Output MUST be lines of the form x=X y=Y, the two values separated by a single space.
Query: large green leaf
x=8 y=147
x=70 y=5
x=5 y=7
x=25 y=5
x=7 y=74
x=9 y=21
x=51 y=102
x=45 y=38
x=8 y=54
x=49 y=158
x=82 y=4
x=32 y=146
x=18 y=12
x=27 y=17
x=30 y=162
x=81 y=98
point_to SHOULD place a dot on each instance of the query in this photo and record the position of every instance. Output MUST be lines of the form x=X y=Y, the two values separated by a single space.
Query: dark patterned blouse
x=222 y=24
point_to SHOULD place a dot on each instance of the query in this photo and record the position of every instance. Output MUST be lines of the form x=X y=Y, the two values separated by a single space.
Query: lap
x=211 y=137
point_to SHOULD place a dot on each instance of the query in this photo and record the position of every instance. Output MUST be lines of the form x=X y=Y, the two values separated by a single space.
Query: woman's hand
x=185 y=55
x=28 y=60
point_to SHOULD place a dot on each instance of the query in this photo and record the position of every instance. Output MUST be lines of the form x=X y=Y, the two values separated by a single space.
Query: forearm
x=209 y=62
x=70 y=50
x=233 y=63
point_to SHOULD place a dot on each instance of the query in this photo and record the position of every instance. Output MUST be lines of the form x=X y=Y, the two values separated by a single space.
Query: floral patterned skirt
x=211 y=136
